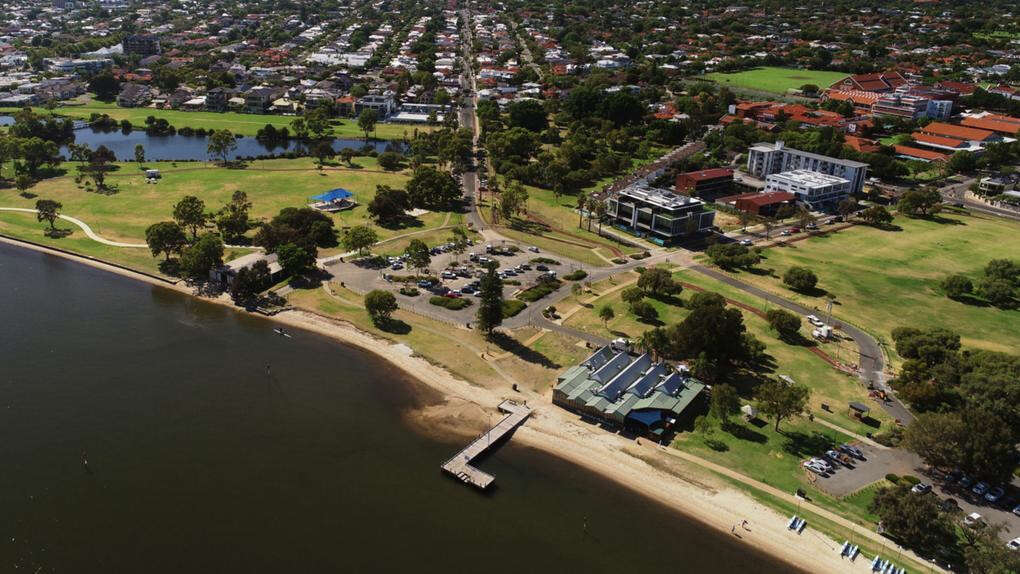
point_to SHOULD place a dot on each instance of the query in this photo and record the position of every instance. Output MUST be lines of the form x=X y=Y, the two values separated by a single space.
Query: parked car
x=541 y=267
x=785 y=233
x=794 y=230
x=814 y=466
x=814 y=321
x=1016 y=510
x=453 y=295
x=965 y=481
x=467 y=289
x=852 y=451
x=995 y=494
x=396 y=266
x=973 y=519
x=449 y=275
x=921 y=488
x=533 y=249
x=980 y=488
x=746 y=242
x=1014 y=544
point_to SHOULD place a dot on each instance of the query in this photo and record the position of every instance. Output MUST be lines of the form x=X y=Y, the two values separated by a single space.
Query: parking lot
x=454 y=275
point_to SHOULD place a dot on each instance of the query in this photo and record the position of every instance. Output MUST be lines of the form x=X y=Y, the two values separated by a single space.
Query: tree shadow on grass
x=936 y=218
x=804 y=444
x=28 y=195
x=811 y=292
x=971 y=300
x=58 y=232
x=395 y=326
x=744 y=433
x=508 y=343
x=403 y=222
x=311 y=280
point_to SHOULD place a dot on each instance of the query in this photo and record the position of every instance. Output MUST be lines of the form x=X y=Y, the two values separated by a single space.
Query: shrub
x=644 y=310
x=410 y=291
x=576 y=275
x=800 y=278
x=892 y=478
x=545 y=260
x=784 y=322
x=957 y=286
x=536 y=292
x=451 y=303
x=512 y=307
x=910 y=479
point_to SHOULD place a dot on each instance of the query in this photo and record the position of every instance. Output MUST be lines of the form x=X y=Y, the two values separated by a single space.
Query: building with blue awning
x=333 y=200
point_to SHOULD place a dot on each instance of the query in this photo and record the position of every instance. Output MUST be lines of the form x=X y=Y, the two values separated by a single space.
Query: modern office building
x=635 y=393
x=656 y=214
x=814 y=190
x=764 y=159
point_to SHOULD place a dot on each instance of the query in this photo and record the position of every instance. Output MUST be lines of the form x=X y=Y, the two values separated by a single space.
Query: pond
x=194 y=148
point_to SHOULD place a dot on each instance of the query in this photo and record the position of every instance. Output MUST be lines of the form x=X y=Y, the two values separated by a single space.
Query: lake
x=194 y=148
x=200 y=461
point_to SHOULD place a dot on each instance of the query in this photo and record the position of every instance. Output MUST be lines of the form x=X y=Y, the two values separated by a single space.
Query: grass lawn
x=776 y=80
x=828 y=385
x=25 y=226
x=897 y=139
x=271 y=185
x=551 y=224
x=886 y=279
x=244 y=124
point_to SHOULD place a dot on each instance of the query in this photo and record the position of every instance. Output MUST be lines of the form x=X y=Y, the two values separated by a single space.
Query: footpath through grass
x=886 y=279
x=776 y=80
x=271 y=185
x=828 y=385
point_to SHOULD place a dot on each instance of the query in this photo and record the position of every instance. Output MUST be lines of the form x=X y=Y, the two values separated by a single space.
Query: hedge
x=545 y=261
x=576 y=275
x=512 y=307
x=535 y=293
x=451 y=303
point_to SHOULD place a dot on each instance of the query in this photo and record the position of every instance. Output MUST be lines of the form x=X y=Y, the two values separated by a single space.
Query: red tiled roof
x=990 y=124
x=862 y=145
x=958 y=132
x=937 y=140
x=709 y=173
x=767 y=198
x=920 y=153
x=857 y=97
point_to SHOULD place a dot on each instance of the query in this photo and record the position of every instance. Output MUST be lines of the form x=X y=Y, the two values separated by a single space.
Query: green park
x=775 y=80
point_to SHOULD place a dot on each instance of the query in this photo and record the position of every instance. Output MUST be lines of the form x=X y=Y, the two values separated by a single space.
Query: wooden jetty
x=459 y=466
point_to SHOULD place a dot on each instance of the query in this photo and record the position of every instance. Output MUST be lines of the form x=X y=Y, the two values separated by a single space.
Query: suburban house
x=225 y=274
x=134 y=96
x=659 y=215
x=635 y=393
x=764 y=159
x=216 y=99
x=764 y=203
x=383 y=104
x=258 y=99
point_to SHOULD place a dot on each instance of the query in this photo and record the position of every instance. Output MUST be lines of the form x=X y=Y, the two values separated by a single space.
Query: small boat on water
x=283 y=333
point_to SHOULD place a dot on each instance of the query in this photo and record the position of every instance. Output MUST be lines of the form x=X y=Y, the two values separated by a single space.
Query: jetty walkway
x=459 y=466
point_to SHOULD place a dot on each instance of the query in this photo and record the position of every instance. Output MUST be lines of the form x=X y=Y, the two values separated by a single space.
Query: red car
x=795 y=229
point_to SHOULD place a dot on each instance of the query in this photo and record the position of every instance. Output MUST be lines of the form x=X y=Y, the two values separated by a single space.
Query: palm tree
x=593 y=203
x=600 y=213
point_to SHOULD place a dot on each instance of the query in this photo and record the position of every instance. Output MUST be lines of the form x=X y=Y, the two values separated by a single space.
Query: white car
x=1014 y=544
x=973 y=519
x=814 y=467
x=745 y=242
x=814 y=321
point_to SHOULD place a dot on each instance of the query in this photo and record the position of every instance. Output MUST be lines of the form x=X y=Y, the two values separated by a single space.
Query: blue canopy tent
x=334 y=195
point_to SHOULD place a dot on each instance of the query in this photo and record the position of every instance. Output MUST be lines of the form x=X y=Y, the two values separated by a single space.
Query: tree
x=800 y=279
x=632 y=295
x=659 y=283
x=294 y=260
x=105 y=86
x=938 y=438
x=359 y=238
x=785 y=323
x=1004 y=269
x=607 y=314
x=232 y=220
x=221 y=143
x=780 y=400
x=847 y=206
x=347 y=155
x=389 y=206
x=430 y=188
x=189 y=212
x=367 y=120
x=140 y=155
x=921 y=202
x=998 y=292
x=99 y=163
x=305 y=227
x=490 y=308
x=202 y=256
x=582 y=203
x=725 y=402
x=48 y=210
x=809 y=89
x=418 y=255
x=984 y=552
x=956 y=286
x=644 y=310
x=528 y=114
x=877 y=215
x=380 y=305
x=961 y=162
x=23 y=182
x=390 y=160
x=915 y=521
x=249 y=282
x=733 y=255
x=165 y=237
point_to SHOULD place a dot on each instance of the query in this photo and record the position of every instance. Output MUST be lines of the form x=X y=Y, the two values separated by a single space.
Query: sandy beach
x=460 y=408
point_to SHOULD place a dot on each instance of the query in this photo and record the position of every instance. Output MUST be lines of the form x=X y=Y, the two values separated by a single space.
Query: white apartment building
x=764 y=159
x=816 y=191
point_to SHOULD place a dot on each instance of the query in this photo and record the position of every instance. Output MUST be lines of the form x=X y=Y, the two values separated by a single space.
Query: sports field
x=885 y=279
x=775 y=80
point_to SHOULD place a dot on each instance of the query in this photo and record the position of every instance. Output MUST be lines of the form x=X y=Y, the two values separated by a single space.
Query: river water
x=198 y=461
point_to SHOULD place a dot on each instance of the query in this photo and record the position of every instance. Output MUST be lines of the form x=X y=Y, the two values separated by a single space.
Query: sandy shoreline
x=465 y=408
